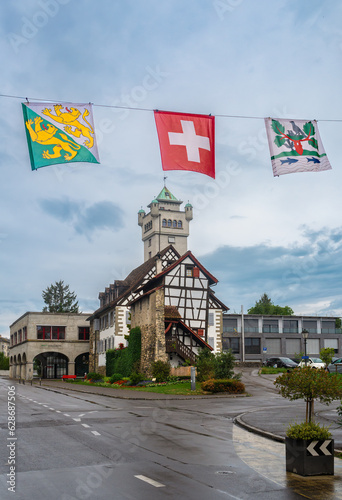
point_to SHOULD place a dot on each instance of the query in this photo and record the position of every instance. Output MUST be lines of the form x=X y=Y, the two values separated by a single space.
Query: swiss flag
x=187 y=141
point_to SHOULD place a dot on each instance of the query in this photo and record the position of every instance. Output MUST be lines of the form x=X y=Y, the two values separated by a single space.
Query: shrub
x=205 y=364
x=161 y=371
x=224 y=365
x=135 y=378
x=125 y=360
x=94 y=376
x=115 y=377
x=308 y=430
x=231 y=386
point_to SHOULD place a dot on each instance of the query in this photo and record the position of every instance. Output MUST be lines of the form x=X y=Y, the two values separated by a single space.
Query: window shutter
x=195 y=272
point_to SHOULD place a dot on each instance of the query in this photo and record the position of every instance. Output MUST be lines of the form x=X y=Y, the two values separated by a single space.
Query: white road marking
x=66 y=414
x=57 y=411
x=96 y=433
x=85 y=425
x=81 y=414
x=45 y=406
x=150 y=481
x=51 y=409
x=77 y=419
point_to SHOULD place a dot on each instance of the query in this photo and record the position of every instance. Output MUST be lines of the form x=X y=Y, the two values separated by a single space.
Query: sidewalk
x=272 y=423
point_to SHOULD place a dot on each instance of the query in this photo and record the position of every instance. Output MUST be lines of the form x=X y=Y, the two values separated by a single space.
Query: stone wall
x=148 y=314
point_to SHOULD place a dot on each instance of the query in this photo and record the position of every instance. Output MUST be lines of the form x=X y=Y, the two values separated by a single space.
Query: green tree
x=309 y=384
x=266 y=306
x=326 y=355
x=59 y=299
x=224 y=365
x=205 y=364
x=4 y=362
x=219 y=365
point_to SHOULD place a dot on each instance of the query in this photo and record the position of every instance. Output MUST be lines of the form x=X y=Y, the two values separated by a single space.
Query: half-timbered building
x=173 y=312
x=170 y=281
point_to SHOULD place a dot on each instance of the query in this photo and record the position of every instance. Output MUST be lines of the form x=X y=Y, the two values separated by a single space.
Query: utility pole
x=242 y=336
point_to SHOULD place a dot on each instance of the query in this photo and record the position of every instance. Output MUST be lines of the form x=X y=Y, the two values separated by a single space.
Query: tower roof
x=166 y=195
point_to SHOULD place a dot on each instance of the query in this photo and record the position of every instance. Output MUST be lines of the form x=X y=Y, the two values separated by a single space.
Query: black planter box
x=310 y=457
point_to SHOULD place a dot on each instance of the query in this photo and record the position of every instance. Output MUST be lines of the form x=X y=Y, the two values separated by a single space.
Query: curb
x=255 y=430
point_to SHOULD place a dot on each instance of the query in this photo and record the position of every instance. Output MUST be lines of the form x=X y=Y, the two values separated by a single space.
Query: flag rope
x=28 y=99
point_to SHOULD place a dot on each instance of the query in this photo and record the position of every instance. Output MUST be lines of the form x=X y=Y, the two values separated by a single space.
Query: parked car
x=312 y=362
x=335 y=366
x=281 y=363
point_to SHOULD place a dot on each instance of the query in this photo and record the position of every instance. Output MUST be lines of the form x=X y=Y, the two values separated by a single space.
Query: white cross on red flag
x=187 y=141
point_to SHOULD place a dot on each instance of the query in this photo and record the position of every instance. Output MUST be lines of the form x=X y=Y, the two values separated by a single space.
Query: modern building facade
x=49 y=344
x=266 y=336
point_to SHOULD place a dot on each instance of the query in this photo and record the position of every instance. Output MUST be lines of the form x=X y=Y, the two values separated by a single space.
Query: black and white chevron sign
x=319 y=448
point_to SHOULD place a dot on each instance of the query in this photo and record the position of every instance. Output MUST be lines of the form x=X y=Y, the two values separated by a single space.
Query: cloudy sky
x=239 y=58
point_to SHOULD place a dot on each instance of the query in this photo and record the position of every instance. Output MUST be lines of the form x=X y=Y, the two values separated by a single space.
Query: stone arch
x=51 y=364
x=82 y=364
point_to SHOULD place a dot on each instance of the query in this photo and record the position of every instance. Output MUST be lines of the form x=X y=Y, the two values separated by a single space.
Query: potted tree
x=309 y=447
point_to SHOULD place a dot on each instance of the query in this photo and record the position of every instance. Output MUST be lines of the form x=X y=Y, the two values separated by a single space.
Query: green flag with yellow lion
x=60 y=133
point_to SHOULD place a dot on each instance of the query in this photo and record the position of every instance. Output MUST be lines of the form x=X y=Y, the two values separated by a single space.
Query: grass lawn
x=269 y=370
x=177 y=388
x=172 y=388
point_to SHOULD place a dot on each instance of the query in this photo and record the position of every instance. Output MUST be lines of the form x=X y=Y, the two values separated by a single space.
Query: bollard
x=193 y=378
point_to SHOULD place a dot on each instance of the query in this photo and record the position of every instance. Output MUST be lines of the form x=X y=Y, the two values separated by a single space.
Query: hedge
x=127 y=360
x=231 y=386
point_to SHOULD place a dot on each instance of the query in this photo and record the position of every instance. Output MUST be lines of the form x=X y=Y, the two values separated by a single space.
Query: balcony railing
x=270 y=329
x=173 y=344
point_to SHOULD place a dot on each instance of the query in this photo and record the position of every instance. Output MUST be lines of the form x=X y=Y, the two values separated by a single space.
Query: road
x=76 y=446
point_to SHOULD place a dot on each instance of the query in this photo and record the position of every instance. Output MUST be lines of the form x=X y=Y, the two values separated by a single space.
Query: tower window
x=174 y=223
x=169 y=223
x=149 y=242
x=164 y=223
x=180 y=224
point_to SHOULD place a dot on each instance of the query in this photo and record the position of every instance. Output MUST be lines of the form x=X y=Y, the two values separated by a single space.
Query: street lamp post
x=305 y=335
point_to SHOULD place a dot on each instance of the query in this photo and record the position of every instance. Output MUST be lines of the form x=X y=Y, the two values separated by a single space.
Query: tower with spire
x=165 y=224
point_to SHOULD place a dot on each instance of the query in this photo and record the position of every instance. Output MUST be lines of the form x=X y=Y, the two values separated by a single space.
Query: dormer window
x=189 y=271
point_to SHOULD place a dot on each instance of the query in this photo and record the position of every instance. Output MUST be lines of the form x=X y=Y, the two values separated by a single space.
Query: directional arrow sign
x=311 y=449
x=320 y=450
x=324 y=446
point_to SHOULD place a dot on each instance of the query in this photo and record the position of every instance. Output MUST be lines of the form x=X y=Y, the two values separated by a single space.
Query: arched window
x=169 y=223
x=180 y=224
x=164 y=223
x=174 y=223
